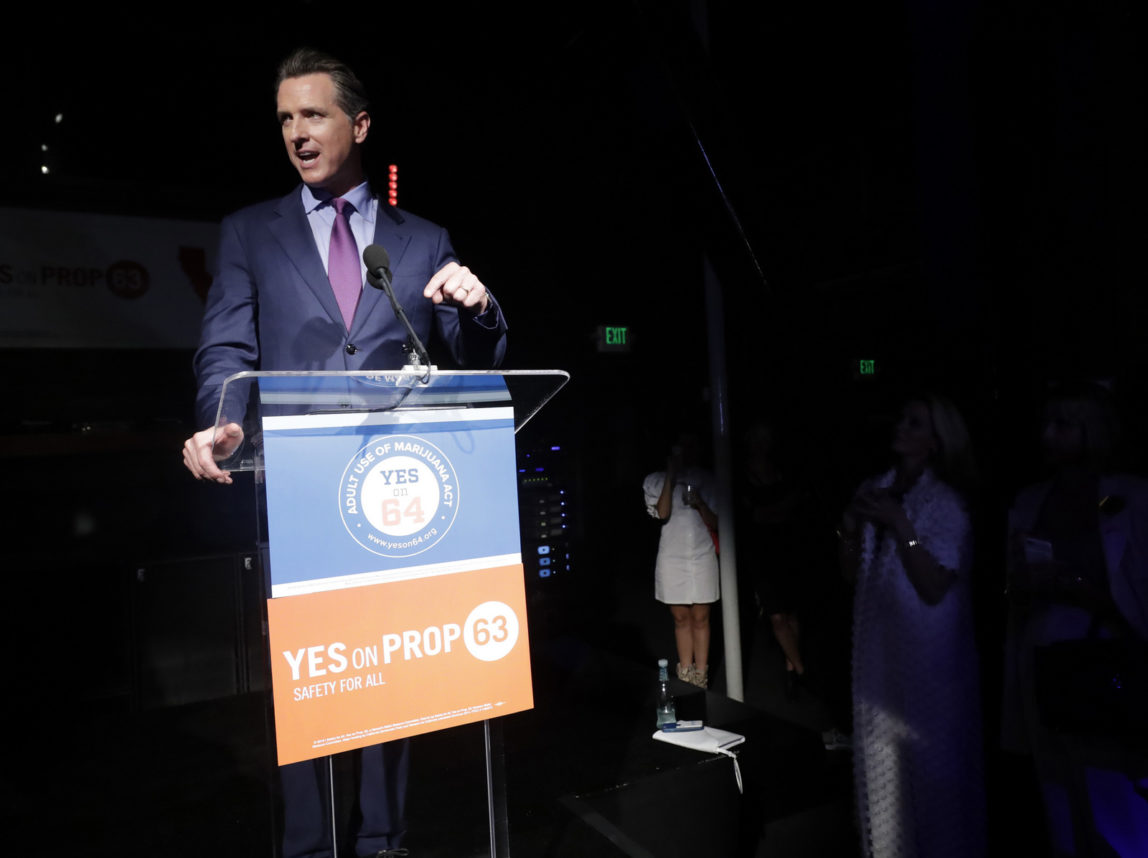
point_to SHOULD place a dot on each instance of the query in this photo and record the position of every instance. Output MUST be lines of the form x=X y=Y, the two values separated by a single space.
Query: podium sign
x=398 y=604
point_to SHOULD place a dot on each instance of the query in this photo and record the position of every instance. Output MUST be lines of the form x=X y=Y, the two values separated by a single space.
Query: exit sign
x=864 y=368
x=615 y=338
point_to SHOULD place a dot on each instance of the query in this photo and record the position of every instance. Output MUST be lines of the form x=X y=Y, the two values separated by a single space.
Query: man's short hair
x=350 y=94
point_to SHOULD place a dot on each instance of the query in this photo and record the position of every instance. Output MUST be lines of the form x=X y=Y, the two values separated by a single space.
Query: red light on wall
x=393 y=184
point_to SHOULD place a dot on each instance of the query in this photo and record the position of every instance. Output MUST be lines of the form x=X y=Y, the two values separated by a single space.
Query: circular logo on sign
x=398 y=496
x=491 y=631
x=127 y=279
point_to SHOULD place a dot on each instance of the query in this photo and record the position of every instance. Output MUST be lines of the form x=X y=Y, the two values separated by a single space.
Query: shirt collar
x=359 y=196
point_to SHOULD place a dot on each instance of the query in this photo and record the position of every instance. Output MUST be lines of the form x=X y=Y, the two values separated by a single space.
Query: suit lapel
x=395 y=241
x=294 y=235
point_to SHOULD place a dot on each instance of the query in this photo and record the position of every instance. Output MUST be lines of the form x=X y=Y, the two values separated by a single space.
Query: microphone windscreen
x=376 y=257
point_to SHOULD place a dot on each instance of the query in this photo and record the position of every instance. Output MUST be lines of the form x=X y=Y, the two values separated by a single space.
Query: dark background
x=954 y=190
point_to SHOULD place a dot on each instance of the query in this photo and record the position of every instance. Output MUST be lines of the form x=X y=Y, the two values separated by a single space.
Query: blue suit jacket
x=271 y=306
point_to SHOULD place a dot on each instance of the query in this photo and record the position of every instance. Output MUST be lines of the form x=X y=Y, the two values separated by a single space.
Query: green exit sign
x=615 y=338
x=865 y=368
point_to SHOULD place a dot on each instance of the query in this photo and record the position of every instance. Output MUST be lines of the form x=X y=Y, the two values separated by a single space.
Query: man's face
x=322 y=141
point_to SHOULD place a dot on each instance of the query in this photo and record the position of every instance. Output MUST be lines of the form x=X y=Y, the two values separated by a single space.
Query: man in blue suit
x=272 y=306
x=275 y=304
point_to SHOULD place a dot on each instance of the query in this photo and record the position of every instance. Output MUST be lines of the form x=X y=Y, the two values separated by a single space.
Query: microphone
x=378 y=267
x=379 y=275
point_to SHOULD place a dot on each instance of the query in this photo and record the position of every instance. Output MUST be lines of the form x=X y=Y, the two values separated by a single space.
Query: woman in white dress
x=907 y=539
x=686 y=571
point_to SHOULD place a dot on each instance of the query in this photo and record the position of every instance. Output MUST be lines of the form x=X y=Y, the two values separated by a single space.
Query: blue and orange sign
x=398 y=604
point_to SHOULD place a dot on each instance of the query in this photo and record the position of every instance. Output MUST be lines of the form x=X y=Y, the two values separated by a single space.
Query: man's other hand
x=456 y=284
x=199 y=456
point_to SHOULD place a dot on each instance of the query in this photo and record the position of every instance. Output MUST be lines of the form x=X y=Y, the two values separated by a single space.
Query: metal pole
x=331 y=787
x=719 y=400
x=496 y=790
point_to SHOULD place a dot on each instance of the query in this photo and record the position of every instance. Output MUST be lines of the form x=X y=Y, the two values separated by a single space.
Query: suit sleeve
x=475 y=342
x=228 y=339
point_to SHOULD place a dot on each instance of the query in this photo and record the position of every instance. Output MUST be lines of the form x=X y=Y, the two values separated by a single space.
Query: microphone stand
x=417 y=352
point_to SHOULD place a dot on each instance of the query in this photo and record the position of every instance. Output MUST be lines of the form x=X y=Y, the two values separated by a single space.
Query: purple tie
x=343 y=262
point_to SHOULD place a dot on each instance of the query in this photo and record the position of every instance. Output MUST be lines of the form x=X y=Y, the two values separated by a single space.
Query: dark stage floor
x=583 y=776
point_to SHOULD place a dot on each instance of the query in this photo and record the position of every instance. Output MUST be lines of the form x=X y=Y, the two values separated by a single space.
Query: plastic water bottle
x=666 y=713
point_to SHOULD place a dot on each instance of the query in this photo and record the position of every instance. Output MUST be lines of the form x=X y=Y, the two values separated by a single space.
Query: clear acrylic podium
x=286 y=393
x=309 y=414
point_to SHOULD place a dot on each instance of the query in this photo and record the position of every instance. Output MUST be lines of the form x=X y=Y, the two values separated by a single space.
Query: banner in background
x=72 y=280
